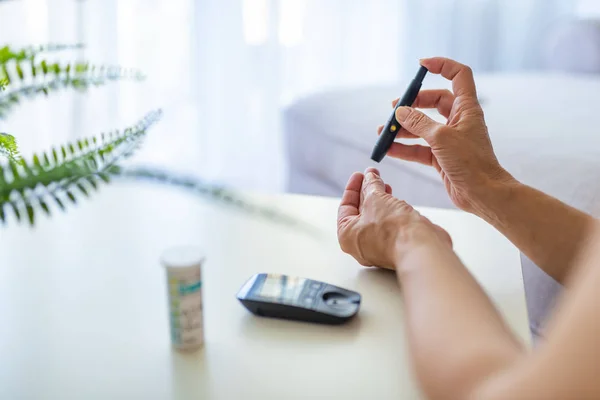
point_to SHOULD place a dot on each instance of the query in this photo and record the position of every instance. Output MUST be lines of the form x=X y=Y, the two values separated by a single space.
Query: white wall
x=588 y=8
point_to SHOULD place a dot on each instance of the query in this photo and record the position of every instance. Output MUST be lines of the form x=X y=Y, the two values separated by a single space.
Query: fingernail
x=401 y=113
x=370 y=176
x=372 y=170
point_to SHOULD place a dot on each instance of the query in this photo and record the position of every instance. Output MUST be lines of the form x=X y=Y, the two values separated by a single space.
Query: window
x=258 y=23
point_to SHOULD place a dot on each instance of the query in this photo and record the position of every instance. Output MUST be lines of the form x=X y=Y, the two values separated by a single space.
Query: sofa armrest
x=574 y=47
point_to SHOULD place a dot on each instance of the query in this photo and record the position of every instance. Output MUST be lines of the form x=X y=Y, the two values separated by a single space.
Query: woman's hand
x=376 y=228
x=461 y=150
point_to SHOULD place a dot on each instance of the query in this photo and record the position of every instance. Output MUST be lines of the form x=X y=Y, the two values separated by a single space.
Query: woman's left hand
x=376 y=228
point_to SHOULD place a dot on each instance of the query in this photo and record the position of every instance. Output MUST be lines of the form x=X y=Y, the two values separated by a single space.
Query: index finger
x=460 y=74
x=351 y=197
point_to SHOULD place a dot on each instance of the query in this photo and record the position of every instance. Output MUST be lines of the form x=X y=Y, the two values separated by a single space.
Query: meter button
x=336 y=299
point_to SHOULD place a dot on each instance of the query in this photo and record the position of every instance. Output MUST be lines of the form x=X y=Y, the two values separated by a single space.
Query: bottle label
x=185 y=308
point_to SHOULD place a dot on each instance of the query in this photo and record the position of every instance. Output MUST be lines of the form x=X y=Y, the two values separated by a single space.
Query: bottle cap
x=182 y=257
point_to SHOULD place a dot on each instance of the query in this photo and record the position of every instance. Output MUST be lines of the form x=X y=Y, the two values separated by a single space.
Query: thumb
x=372 y=183
x=416 y=122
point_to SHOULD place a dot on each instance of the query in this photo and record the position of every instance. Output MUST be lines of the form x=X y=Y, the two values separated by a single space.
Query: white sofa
x=544 y=128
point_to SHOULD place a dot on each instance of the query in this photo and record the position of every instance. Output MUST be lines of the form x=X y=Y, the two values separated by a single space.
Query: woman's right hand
x=460 y=150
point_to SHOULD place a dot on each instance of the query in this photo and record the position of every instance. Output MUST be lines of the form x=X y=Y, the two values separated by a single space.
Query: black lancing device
x=392 y=127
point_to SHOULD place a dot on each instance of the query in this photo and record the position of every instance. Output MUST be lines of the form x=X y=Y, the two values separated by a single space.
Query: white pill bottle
x=183 y=266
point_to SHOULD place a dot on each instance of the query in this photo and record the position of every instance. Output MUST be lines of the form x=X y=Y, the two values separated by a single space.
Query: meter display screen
x=281 y=288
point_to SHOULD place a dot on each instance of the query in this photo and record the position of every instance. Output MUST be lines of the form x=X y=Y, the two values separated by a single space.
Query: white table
x=83 y=303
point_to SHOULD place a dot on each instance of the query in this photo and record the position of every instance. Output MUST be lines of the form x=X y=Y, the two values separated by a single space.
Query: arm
x=548 y=231
x=460 y=346
x=453 y=351
x=566 y=364
x=472 y=355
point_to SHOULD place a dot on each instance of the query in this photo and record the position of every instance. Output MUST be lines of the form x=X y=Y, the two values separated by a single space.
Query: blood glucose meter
x=287 y=297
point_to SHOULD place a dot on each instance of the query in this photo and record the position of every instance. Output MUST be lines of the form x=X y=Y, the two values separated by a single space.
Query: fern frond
x=21 y=72
x=62 y=174
x=27 y=53
x=23 y=75
x=49 y=77
x=8 y=147
x=218 y=194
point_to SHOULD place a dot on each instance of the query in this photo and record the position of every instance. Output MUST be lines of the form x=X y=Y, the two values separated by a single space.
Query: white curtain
x=302 y=46
x=154 y=36
x=223 y=69
x=489 y=35
x=256 y=56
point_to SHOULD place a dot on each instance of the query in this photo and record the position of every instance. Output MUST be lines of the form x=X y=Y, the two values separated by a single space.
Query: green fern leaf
x=20 y=73
x=4 y=74
x=104 y=176
x=36 y=161
x=73 y=168
x=91 y=180
x=71 y=197
x=29 y=186
x=45 y=207
x=58 y=202
x=83 y=189
x=56 y=69
x=16 y=211
x=44 y=66
x=8 y=54
x=9 y=148
x=83 y=77
x=30 y=214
